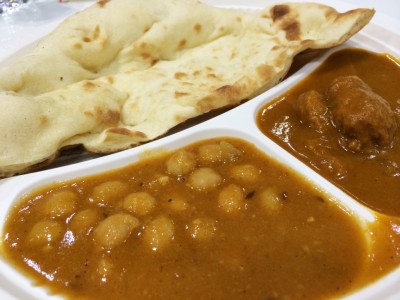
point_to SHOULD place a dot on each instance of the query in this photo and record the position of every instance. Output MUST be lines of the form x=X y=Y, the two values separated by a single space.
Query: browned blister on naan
x=124 y=72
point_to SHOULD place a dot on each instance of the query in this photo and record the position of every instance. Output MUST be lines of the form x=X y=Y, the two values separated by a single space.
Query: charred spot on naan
x=127 y=132
x=94 y=36
x=278 y=11
x=180 y=75
x=96 y=32
x=265 y=72
x=223 y=96
x=77 y=46
x=292 y=29
x=102 y=3
x=179 y=94
x=106 y=117
x=228 y=91
x=182 y=43
x=197 y=27
x=213 y=76
x=89 y=85
x=197 y=73
x=288 y=21
x=110 y=79
x=43 y=119
x=145 y=55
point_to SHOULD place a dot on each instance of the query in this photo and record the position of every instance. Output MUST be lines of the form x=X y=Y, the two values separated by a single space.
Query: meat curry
x=343 y=121
x=217 y=219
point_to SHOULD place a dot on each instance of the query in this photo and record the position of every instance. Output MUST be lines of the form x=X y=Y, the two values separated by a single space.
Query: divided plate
x=239 y=122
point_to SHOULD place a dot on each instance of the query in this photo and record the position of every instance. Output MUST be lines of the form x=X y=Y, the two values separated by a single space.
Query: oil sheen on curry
x=213 y=220
x=343 y=121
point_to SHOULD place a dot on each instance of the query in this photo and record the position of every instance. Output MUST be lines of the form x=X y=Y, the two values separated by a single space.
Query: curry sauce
x=328 y=122
x=217 y=219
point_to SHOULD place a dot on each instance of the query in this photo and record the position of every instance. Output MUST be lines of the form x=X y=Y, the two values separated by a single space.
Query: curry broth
x=260 y=232
x=373 y=179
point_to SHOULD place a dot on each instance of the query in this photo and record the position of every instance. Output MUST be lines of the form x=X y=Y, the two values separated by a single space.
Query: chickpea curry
x=343 y=121
x=217 y=219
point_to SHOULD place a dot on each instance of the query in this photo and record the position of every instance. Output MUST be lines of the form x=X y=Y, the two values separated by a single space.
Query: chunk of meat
x=363 y=117
x=312 y=110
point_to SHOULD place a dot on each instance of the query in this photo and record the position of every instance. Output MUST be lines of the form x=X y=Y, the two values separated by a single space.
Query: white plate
x=238 y=122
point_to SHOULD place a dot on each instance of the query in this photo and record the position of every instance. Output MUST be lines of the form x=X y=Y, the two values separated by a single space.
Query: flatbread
x=124 y=72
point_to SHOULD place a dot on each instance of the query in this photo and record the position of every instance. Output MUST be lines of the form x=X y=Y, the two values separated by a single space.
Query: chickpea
x=114 y=230
x=104 y=268
x=223 y=151
x=163 y=180
x=270 y=201
x=60 y=204
x=84 y=221
x=231 y=199
x=140 y=203
x=204 y=179
x=202 y=229
x=229 y=152
x=159 y=233
x=45 y=233
x=157 y=182
x=245 y=173
x=181 y=163
x=210 y=153
x=108 y=192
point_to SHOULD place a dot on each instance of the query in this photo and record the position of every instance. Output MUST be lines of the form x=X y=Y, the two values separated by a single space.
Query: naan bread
x=124 y=72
